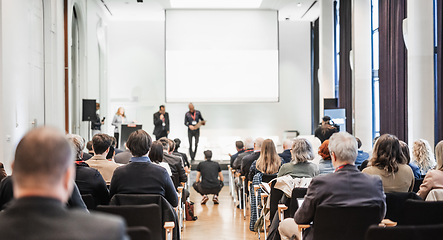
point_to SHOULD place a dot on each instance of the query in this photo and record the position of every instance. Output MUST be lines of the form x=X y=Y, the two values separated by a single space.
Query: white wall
x=136 y=82
x=18 y=82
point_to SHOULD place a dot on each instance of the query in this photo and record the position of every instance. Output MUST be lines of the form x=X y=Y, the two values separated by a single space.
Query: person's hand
x=168 y=132
x=162 y=117
x=191 y=127
x=103 y=122
x=203 y=123
x=230 y=155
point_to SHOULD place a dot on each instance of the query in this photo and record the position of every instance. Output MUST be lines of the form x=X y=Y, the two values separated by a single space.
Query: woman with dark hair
x=389 y=162
x=156 y=156
x=325 y=131
x=434 y=178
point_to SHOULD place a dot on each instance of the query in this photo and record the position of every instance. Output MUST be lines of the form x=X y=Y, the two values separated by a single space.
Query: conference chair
x=417 y=184
x=168 y=214
x=338 y=223
x=395 y=203
x=147 y=215
x=139 y=233
x=89 y=201
x=424 y=232
x=416 y=212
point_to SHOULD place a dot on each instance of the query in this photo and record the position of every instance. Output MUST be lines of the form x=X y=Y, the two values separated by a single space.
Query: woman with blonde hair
x=434 y=178
x=389 y=162
x=118 y=119
x=300 y=165
x=422 y=156
x=268 y=163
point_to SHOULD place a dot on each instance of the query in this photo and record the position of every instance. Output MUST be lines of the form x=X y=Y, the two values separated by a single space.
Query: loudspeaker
x=330 y=103
x=89 y=110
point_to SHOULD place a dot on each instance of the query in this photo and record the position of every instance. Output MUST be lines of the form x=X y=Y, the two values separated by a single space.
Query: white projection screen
x=222 y=56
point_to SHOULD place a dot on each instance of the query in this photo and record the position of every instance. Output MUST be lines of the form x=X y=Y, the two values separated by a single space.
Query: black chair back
x=276 y=197
x=139 y=233
x=425 y=232
x=417 y=184
x=89 y=201
x=268 y=177
x=293 y=206
x=148 y=216
x=416 y=212
x=344 y=222
x=395 y=202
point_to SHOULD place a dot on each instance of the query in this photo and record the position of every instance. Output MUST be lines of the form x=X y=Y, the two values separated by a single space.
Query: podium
x=125 y=130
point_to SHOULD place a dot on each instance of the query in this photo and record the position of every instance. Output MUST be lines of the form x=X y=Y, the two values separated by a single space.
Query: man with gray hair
x=346 y=187
x=286 y=154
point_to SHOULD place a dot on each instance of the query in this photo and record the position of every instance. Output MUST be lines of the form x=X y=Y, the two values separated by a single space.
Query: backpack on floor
x=189 y=209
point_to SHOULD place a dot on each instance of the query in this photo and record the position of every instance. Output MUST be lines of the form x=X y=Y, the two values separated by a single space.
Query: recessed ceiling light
x=216 y=3
x=298 y=4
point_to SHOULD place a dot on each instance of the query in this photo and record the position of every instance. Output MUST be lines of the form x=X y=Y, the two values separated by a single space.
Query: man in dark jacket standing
x=161 y=123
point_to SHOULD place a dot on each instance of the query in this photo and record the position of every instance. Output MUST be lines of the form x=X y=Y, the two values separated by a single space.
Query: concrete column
x=420 y=46
x=361 y=29
x=326 y=49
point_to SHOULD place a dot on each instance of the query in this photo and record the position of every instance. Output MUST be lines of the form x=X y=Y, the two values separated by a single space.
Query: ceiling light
x=216 y=3
x=298 y=4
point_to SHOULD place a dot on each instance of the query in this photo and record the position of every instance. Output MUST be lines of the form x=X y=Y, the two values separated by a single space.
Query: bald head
x=257 y=143
x=42 y=157
x=191 y=107
x=287 y=144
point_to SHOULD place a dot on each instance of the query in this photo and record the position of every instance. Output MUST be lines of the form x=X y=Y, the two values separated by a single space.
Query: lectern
x=125 y=130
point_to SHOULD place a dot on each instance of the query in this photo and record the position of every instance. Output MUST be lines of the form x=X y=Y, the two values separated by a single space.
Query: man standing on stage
x=161 y=123
x=192 y=117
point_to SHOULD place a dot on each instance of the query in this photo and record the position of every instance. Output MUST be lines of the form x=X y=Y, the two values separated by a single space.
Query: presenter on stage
x=118 y=119
x=192 y=119
x=161 y=123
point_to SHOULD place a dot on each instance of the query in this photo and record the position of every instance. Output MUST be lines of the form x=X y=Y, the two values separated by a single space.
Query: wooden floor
x=222 y=221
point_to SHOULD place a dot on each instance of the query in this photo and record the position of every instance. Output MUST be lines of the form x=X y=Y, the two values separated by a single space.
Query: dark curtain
x=345 y=77
x=315 y=86
x=439 y=85
x=393 y=69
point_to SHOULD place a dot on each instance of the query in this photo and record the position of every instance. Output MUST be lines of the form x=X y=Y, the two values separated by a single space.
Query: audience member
x=286 y=154
x=90 y=153
x=156 y=156
x=422 y=156
x=240 y=146
x=434 y=178
x=123 y=157
x=88 y=180
x=269 y=162
x=249 y=149
x=249 y=159
x=2 y=172
x=405 y=151
x=171 y=152
x=300 y=165
x=346 y=187
x=389 y=163
x=114 y=144
x=325 y=131
x=184 y=157
x=325 y=164
x=175 y=163
x=111 y=154
x=140 y=176
x=211 y=178
x=101 y=144
x=42 y=183
x=362 y=156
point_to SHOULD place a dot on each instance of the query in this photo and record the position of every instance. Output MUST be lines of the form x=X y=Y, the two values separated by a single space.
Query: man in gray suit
x=42 y=184
x=347 y=186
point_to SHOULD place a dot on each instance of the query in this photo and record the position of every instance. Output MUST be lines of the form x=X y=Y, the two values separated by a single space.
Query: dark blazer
x=177 y=169
x=233 y=157
x=47 y=218
x=143 y=178
x=158 y=123
x=346 y=187
x=286 y=155
x=90 y=181
x=239 y=159
x=247 y=162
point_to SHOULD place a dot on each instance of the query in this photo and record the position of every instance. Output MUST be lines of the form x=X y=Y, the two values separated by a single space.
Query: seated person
x=211 y=178
x=88 y=180
x=2 y=172
x=123 y=157
x=405 y=150
x=389 y=162
x=183 y=155
x=422 y=156
x=111 y=154
x=240 y=146
x=175 y=163
x=269 y=162
x=286 y=154
x=325 y=131
x=101 y=144
x=42 y=184
x=347 y=186
x=171 y=152
x=156 y=156
x=90 y=153
x=249 y=149
x=362 y=156
x=141 y=176
x=325 y=163
x=300 y=165
x=434 y=178
x=114 y=145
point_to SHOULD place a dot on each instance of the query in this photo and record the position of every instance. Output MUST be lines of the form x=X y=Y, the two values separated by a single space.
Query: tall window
x=375 y=67
x=336 y=47
x=436 y=103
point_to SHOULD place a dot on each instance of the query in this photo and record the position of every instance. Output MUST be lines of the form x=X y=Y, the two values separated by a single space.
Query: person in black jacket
x=325 y=131
x=184 y=157
x=286 y=154
x=141 y=176
x=175 y=163
x=96 y=125
x=161 y=123
x=88 y=180
x=192 y=117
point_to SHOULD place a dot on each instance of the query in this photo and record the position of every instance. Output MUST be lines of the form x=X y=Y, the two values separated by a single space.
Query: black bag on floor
x=189 y=209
